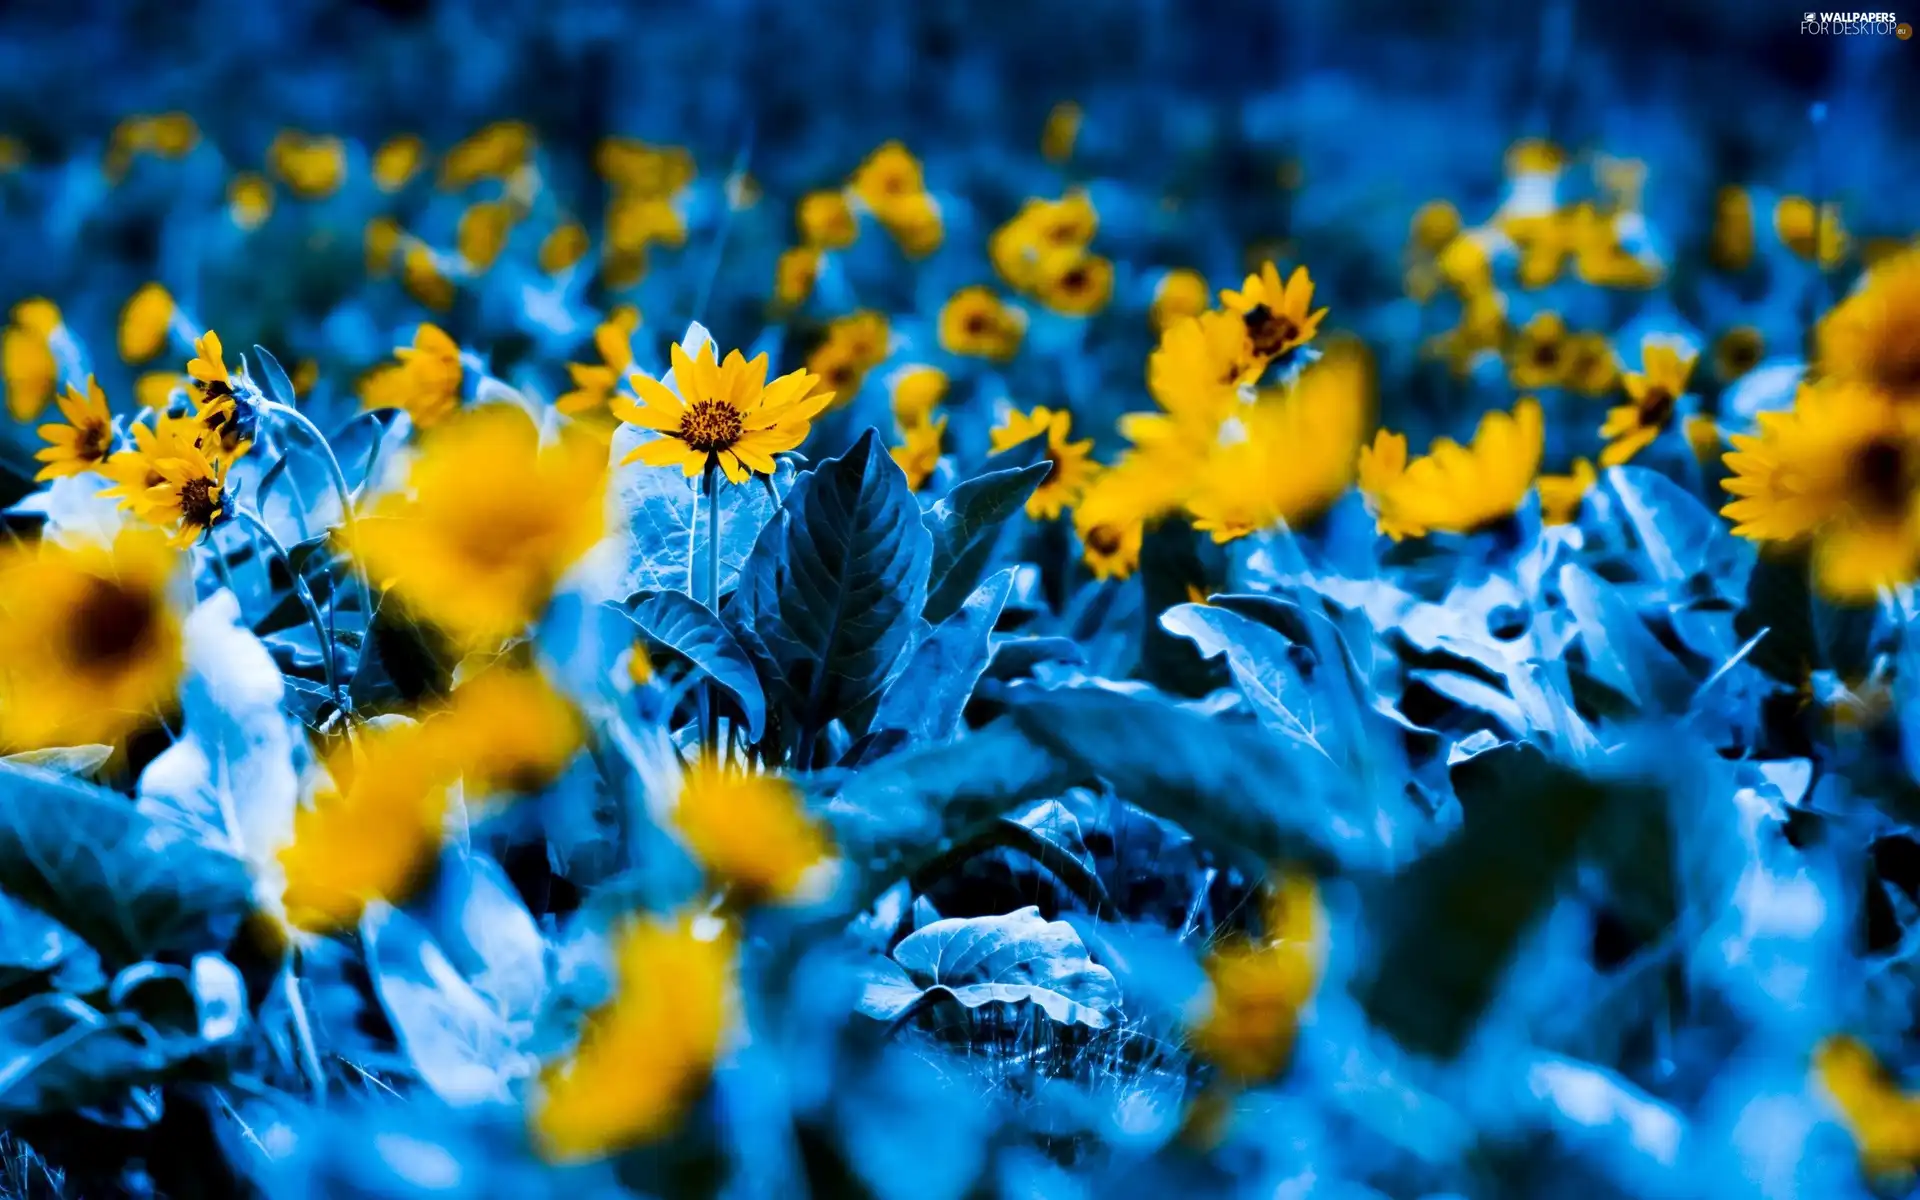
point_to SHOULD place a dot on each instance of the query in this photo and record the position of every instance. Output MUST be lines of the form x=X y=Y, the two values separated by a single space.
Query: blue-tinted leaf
x=828 y=601
x=78 y=761
x=1679 y=535
x=663 y=511
x=964 y=526
x=58 y=1054
x=34 y=945
x=691 y=629
x=490 y=937
x=926 y=699
x=1011 y=959
x=273 y=377
x=1257 y=656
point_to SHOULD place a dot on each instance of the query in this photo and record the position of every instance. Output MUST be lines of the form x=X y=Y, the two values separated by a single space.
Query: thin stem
x=256 y=528
x=709 y=709
x=303 y=1028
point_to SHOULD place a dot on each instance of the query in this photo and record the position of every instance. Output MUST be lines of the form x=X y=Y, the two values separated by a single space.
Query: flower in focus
x=425 y=381
x=1883 y=1119
x=397 y=161
x=853 y=345
x=1811 y=235
x=1454 y=488
x=26 y=357
x=919 y=452
x=1873 y=336
x=1110 y=520
x=1181 y=293
x=1655 y=392
x=594 y=383
x=826 y=221
x=751 y=832
x=1248 y=1014
x=371 y=833
x=145 y=323
x=85 y=441
x=1077 y=287
x=90 y=641
x=494 y=152
x=794 y=275
x=1060 y=132
x=191 y=495
x=1070 y=465
x=1736 y=352
x=1730 y=245
x=249 y=200
x=1197 y=370
x=563 y=247
x=1289 y=455
x=1839 y=468
x=483 y=233
x=976 y=323
x=1276 y=315
x=1537 y=358
x=312 y=167
x=506 y=730
x=647 y=1055
x=135 y=471
x=725 y=415
x=488 y=524
x=227 y=418
x=1561 y=495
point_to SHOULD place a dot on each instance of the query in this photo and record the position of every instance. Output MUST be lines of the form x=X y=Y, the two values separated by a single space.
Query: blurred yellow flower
x=1040 y=235
x=421 y=275
x=145 y=323
x=1655 y=392
x=724 y=416
x=489 y=522
x=425 y=380
x=1111 y=520
x=381 y=240
x=648 y=1054
x=155 y=389
x=853 y=345
x=1060 y=132
x=635 y=222
x=1276 y=315
x=917 y=391
x=1593 y=369
x=1809 y=234
x=90 y=642
x=975 y=323
x=495 y=152
x=1246 y=1019
x=1454 y=488
x=1537 y=357
x=397 y=161
x=1873 y=336
x=916 y=223
x=919 y=452
x=825 y=221
x=1738 y=351
x=1196 y=371
x=595 y=383
x=85 y=441
x=1883 y=1119
x=794 y=275
x=1070 y=466
x=249 y=200
x=752 y=832
x=563 y=247
x=26 y=358
x=638 y=169
x=1434 y=224
x=483 y=232
x=1180 y=293
x=1730 y=244
x=1561 y=495
x=312 y=166
x=889 y=175
x=506 y=730
x=1077 y=287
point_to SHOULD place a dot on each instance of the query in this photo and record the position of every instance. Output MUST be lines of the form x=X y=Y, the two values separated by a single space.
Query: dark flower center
x=1882 y=472
x=1104 y=539
x=1546 y=354
x=1271 y=332
x=1656 y=408
x=109 y=625
x=977 y=324
x=215 y=389
x=1900 y=368
x=714 y=425
x=1075 y=280
x=198 y=502
x=93 y=443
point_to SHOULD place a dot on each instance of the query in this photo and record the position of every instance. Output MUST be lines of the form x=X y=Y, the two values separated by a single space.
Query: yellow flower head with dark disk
x=1655 y=392
x=506 y=730
x=145 y=322
x=1110 y=520
x=918 y=454
x=1077 y=286
x=647 y=1055
x=1454 y=488
x=1276 y=315
x=976 y=323
x=1538 y=356
x=1736 y=352
x=1882 y=1117
x=191 y=495
x=90 y=641
x=1593 y=370
x=1562 y=495
x=595 y=383
x=1249 y=1013
x=724 y=415
x=85 y=441
x=26 y=358
x=751 y=832
x=853 y=345
x=1040 y=237
x=488 y=524
x=825 y=221
x=1287 y=457
x=135 y=471
x=1873 y=336
x=1070 y=465
x=890 y=175
x=1196 y=371
x=370 y=834
x=1842 y=469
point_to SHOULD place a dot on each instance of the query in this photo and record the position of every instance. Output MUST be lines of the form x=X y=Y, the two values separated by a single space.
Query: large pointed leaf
x=827 y=603
x=1258 y=657
x=1011 y=959
x=964 y=526
x=694 y=631
x=667 y=519
x=131 y=886
x=926 y=700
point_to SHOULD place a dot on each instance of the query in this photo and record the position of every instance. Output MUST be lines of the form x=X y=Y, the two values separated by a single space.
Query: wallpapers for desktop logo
x=1855 y=24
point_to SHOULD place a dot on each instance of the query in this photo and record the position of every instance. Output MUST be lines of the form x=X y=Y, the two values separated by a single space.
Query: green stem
x=709 y=710
x=257 y=528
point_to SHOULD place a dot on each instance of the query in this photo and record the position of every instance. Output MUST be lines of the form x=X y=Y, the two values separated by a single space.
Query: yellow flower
x=483 y=232
x=85 y=441
x=1249 y=1013
x=794 y=275
x=853 y=345
x=917 y=391
x=1070 y=466
x=1561 y=495
x=487 y=525
x=1181 y=293
x=1482 y=329
x=1534 y=156
x=506 y=730
x=26 y=358
x=155 y=389
x=136 y=472
x=1538 y=355
x=249 y=200
x=370 y=834
x=724 y=415
x=1276 y=316
x=1434 y=224
x=648 y=1054
x=1288 y=456
x=975 y=323
x=640 y=663
x=1466 y=264
x=1730 y=246
x=312 y=167
x=1196 y=371
x=889 y=175
x=751 y=832
x=1592 y=367
x=594 y=384
x=1077 y=287
x=1655 y=391
x=425 y=381
x=1738 y=351
x=636 y=168
x=494 y=152
x=1702 y=433
x=1799 y=228
x=145 y=322
x=191 y=494
x=563 y=247
x=169 y=135
x=1111 y=520
x=1839 y=468
x=381 y=240
x=421 y=275
x=915 y=222
x=397 y=161
x=1873 y=336
x=1455 y=488
x=636 y=221
x=825 y=221
x=90 y=643
x=1060 y=132
x=1884 y=1119
x=919 y=452
x=1041 y=234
